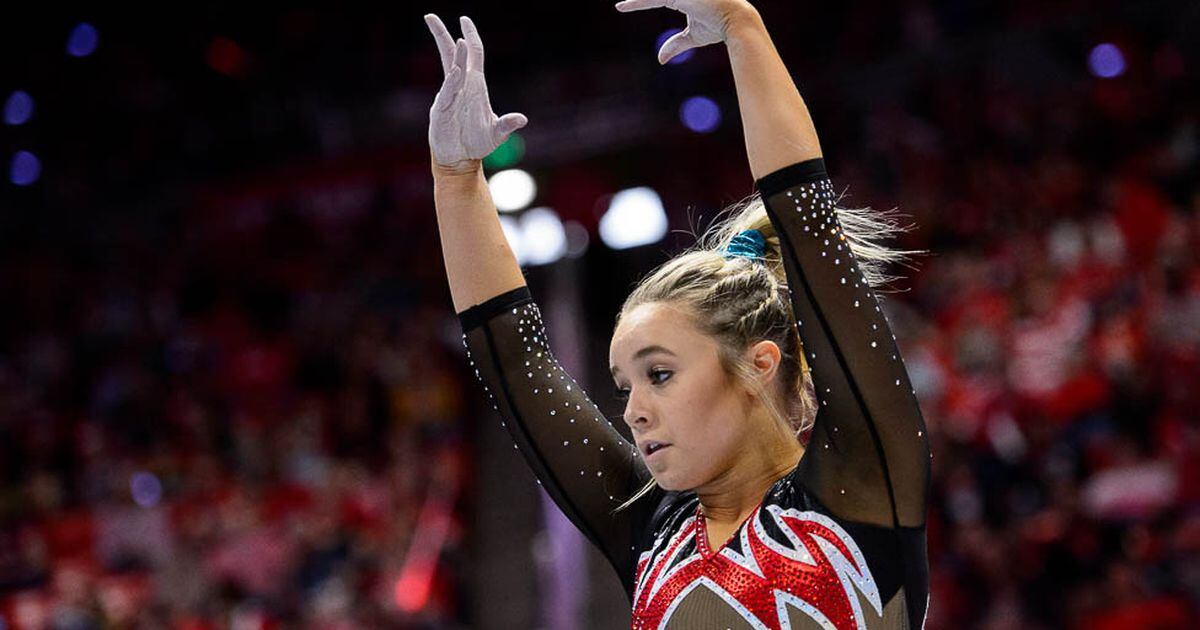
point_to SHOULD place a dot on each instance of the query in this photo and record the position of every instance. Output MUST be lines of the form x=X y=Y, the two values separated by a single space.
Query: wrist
x=742 y=23
x=463 y=169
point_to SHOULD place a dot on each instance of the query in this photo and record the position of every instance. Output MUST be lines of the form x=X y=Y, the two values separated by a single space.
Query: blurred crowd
x=253 y=413
x=194 y=447
x=1058 y=364
x=1053 y=337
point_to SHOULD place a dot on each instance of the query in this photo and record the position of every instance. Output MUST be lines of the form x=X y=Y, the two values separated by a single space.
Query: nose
x=635 y=415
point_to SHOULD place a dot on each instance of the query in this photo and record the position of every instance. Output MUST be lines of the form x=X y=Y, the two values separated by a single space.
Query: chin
x=672 y=483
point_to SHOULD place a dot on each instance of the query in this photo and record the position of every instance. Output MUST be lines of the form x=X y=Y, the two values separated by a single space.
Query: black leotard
x=839 y=542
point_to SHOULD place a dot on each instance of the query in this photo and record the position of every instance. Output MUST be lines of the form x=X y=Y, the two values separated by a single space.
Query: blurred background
x=232 y=389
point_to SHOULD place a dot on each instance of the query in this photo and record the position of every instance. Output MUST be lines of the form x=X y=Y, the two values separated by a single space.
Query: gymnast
x=779 y=474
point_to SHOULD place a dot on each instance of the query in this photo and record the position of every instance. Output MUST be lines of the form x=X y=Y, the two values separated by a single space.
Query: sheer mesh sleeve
x=868 y=458
x=575 y=453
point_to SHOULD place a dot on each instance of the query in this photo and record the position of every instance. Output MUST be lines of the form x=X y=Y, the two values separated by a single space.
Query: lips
x=653 y=446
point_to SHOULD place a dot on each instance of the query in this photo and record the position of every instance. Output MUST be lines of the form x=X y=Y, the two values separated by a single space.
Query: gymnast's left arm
x=868 y=458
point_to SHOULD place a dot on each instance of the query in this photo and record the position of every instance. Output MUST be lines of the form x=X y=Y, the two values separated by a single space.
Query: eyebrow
x=643 y=352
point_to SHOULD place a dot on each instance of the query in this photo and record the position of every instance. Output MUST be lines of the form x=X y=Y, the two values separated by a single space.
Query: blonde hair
x=739 y=302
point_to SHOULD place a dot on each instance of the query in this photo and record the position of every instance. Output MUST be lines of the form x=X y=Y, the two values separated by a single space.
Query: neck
x=733 y=495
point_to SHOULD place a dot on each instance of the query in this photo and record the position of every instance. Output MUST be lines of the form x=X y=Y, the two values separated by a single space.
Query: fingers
x=461 y=54
x=677 y=43
x=454 y=78
x=640 y=5
x=450 y=88
x=474 y=44
x=447 y=47
x=507 y=124
x=445 y=42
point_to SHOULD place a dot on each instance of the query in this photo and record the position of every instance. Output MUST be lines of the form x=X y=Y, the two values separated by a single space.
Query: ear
x=765 y=356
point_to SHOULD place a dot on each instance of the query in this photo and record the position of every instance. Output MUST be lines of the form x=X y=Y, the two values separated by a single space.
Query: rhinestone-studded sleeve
x=868 y=457
x=575 y=453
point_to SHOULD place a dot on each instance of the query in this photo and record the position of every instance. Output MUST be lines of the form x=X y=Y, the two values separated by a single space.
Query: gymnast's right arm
x=576 y=454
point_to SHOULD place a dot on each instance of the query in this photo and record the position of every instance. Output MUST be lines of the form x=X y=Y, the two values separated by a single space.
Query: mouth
x=652 y=447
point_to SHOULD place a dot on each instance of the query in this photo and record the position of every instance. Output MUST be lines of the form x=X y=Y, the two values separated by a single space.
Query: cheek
x=706 y=432
x=710 y=418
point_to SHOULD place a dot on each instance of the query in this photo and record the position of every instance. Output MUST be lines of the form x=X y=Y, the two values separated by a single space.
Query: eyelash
x=623 y=394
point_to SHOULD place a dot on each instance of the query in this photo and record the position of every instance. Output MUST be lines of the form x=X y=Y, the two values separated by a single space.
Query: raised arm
x=586 y=467
x=868 y=459
x=462 y=131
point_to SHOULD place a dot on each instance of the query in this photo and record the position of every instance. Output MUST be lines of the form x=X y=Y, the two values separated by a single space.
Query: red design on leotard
x=818 y=569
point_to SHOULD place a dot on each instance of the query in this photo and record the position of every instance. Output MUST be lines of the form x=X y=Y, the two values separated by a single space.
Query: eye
x=657 y=373
x=623 y=394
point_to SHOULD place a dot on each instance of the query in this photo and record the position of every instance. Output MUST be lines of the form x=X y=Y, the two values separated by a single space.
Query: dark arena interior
x=233 y=388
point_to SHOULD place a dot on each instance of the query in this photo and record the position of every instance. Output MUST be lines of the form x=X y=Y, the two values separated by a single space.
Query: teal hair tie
x=748 y=243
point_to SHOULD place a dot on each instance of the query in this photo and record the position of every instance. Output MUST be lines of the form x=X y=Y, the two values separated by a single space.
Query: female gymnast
x=719 y=515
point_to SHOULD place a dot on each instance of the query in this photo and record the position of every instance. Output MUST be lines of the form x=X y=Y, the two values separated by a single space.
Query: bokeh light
x=635 y=216
x=577 y=238
x=1106 y=61
x=18 y=109
x=226 y=57
x=25 y=169
x=542 y=236
x=512 y=189
x=83 y=40
x=145 y=488
x=507 y=154
x=700 y=114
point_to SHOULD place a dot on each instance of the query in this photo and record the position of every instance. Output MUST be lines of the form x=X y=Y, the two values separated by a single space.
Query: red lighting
x=225 y=56
x=412 y=591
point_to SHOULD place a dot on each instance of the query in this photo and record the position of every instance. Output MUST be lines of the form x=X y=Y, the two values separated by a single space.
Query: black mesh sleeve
x=868 y=458
x=576 y=454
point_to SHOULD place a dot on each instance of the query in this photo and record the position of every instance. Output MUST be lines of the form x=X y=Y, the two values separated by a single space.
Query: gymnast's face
x=677 y=394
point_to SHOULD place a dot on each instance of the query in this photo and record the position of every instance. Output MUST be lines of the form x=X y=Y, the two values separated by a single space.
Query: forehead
x=653 y=323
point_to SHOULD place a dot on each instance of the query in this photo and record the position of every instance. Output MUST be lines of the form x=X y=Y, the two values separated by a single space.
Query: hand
x=707 y=21
x=462 y=125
